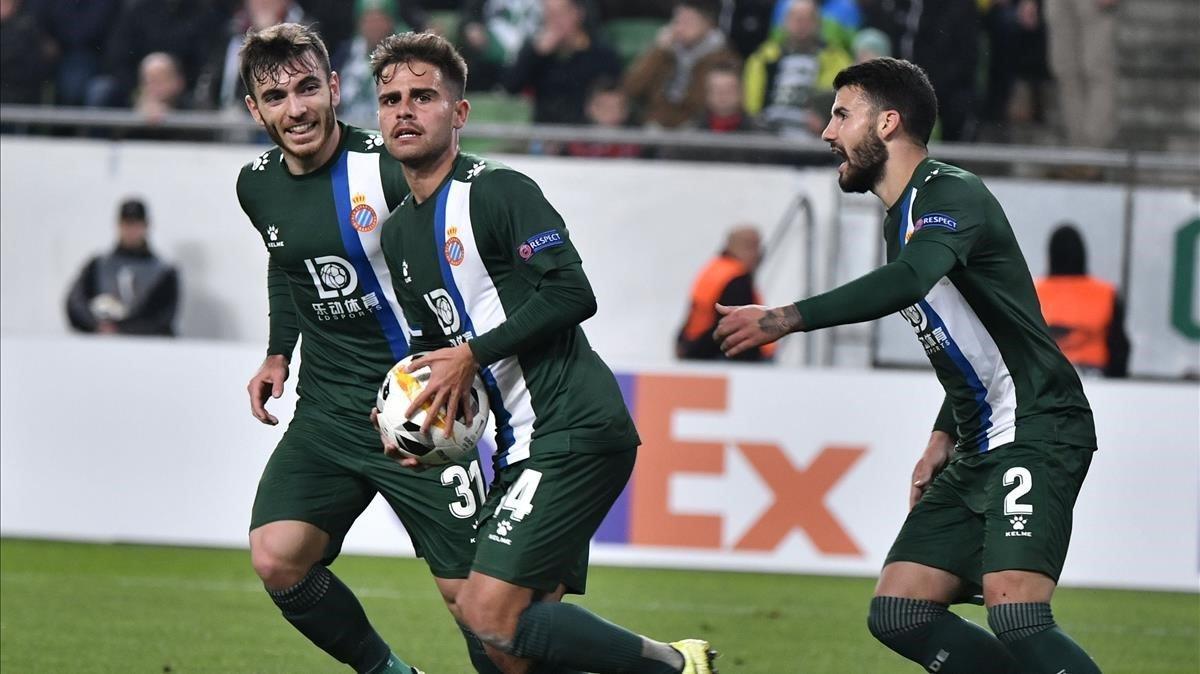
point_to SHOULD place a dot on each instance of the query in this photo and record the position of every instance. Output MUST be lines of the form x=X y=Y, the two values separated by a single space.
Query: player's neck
x=902 y=162
x=424 y=180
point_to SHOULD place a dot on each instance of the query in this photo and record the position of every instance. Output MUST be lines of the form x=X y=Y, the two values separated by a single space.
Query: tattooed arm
x=883 y=291
x=751 y=326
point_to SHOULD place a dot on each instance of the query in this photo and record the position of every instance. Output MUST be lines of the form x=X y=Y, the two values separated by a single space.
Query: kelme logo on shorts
x=539 y=242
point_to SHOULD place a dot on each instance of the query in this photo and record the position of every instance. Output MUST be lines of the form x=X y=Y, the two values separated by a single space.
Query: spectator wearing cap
x=128 y=291
x=560 y=64
x=667 y=82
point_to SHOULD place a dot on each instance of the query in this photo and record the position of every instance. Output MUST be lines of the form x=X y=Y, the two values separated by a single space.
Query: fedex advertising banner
x=751 y=468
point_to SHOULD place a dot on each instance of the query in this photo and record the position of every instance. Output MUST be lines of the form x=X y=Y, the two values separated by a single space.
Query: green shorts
x=1008 y=509
x=326 y=470
x=537 y=524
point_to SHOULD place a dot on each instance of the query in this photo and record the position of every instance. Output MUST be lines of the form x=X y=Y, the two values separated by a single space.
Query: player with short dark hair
x=318 y=200
x=992 y=495
x=491 y=283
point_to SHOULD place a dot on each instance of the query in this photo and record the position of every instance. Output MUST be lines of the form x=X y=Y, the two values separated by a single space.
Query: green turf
x=122 y=608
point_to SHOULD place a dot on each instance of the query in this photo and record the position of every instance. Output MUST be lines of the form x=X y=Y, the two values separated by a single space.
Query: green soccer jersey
x=462 y=262
x=981 y=325
x=326 y=271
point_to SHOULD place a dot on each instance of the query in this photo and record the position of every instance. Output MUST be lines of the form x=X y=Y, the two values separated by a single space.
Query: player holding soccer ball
x=490 y=282
x=992 y=495
x=318 y=200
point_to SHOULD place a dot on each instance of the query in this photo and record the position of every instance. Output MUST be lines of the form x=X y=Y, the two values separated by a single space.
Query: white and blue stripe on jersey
x=479 y=307
x=971 y=348
x=358 y=173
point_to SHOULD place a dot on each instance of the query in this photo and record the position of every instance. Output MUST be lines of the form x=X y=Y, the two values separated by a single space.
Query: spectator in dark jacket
x=129 y=291
x=943 y=38
x=185 y=29
x=25 y=58
x=561 y=63
x=80 y=30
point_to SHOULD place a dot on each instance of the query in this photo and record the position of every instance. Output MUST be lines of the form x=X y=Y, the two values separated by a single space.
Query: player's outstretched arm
x=267 y=383
x=751 y=326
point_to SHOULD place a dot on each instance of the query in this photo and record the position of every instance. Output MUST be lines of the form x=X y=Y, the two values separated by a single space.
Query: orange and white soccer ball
x=396 y=393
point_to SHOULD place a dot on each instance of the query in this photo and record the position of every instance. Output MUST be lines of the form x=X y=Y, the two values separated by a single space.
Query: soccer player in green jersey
x=318 y=200
x=992 y=494
x=490 y=283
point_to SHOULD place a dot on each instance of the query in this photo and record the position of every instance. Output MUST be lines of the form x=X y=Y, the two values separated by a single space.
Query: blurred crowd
x=718 y=65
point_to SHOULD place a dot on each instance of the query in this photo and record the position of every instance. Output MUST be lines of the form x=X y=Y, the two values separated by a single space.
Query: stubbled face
x=419 y=113
x=853 y=138
x=296 y=108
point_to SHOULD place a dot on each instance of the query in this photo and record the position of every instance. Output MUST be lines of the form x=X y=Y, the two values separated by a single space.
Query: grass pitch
x=126 y=608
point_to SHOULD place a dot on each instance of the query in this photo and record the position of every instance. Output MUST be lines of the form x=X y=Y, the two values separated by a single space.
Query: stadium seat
x=495 y=108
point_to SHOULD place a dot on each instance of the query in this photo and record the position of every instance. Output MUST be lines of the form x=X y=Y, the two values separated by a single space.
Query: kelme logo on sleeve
x=539 y=242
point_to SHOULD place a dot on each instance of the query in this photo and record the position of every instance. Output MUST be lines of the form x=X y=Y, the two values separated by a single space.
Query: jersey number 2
x=1024 y=482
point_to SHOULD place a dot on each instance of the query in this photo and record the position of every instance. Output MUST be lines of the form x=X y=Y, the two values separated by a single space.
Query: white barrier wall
x=750 y=468
x=644 y=229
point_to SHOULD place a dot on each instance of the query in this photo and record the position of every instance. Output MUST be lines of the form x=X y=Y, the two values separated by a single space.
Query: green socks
x=1032 y=636
x=323 y=609
x=933 y=637
x=568 y=635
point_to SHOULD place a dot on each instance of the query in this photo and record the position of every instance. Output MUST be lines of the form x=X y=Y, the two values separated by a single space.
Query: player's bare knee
x=492 y=622
x=277 y=572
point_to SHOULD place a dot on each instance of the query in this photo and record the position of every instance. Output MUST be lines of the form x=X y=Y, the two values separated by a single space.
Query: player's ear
x=887 y=124
x=335 y=88
x=462 y=110
x=252 y=106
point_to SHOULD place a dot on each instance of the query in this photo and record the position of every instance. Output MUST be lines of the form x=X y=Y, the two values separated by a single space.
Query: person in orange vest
x=1085 y=314
x=729 y=280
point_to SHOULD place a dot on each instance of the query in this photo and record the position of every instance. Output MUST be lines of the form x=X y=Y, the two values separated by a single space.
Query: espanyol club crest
x=455 y=252
x=362 y=216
